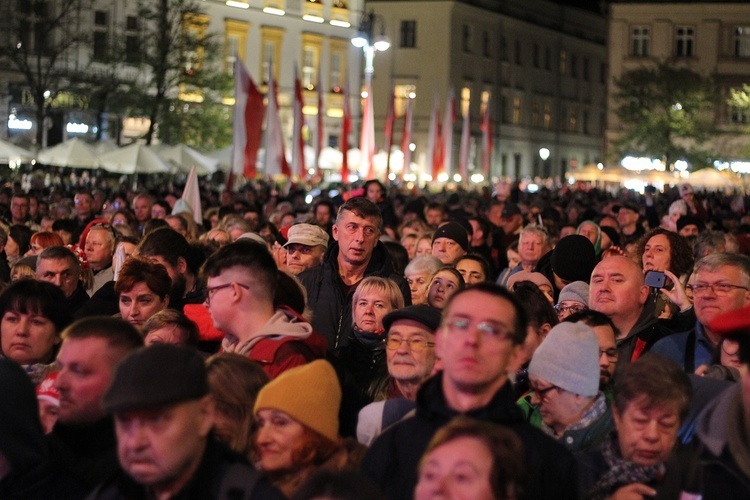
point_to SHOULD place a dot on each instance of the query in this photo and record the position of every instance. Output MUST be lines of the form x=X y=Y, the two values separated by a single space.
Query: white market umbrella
x=9 y=152
x=133 y=159
x=224 y=155
x=711 y=178
x=74 y=153
x=184 y=158
x=104 y=146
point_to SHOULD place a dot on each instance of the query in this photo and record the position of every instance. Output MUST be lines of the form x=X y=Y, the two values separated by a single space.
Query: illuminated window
x=193 y=33
x=271 y=40
x=402 y=94
x=235 y=42
x=485 y=100
x=339 y=48
x=547 y=116
x=573 y=119
x=516 y=111
x=563 y=62
x=535 y=115
x=465 y=100
x=312 y=45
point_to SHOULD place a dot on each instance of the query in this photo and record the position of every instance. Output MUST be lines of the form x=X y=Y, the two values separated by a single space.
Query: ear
x=206 y=415
x=516 y=359
x=543 y=331
x=166 y=301
x=335 y=232
x=643 y=295
x=181 y=265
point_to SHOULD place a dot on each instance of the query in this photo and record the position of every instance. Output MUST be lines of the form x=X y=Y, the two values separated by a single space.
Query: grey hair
x=426 y=264
x=713 y=262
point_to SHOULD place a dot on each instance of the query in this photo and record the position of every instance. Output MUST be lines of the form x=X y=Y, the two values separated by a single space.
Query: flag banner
x=276 y=162
x=298 y=140
x=248 y=123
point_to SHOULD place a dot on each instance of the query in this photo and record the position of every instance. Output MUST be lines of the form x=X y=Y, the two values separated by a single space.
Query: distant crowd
x=373 y=343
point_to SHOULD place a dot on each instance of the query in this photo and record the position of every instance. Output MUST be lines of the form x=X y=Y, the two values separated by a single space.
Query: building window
x=402 y=94
x=684 y=41
x=563 y=62
x=573 y=119
x=574 y=66
x=547 y=116
x=235 y=42
x=547 y=58
x=585 y=121
x=271 y=41
x=535 y=55
x=485 y=100
x=535 y=115
x=335 y=75
x=193 y=32
x=742 y=41
x=132 y=40
x=739 y=115
x=101 y=35
x=466 y=39
x=516 y=111
x=518 y=52
x=640 y=38
x=338 y=47
x=486 y=51
x=308 y=67
x=504 y=109
x=503 y=48
x=465 y=100
x=408 y=34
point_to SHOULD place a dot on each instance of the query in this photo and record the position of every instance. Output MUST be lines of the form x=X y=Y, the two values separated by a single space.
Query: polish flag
x=276 y=162
x=486 y=141
x=248 y=123
x=367 y=138
x=390 y=122
x=346 y=128
x=320 y=126
x=463 y=155
x=298 y=140
x=448 y=120
x=406 y=139
x=433 y=141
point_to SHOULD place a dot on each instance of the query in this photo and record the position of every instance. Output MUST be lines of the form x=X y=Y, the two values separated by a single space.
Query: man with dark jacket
x=482 y=331
x=355 y=255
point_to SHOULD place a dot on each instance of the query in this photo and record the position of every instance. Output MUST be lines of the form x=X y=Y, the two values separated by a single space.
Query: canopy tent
x=184 y=158
x=592 y=173
x=74 y=153
x=104 y=146
x=133 y=159
x=11 y=153
x=710 y=178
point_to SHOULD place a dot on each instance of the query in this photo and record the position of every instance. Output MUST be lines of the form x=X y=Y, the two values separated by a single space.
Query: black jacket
x=393 y=458
x=221 y=475
x=332 y=310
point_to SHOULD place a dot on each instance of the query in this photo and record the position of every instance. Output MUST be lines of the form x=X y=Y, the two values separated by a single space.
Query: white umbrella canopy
x=104 y=146
x=133 y=159
x=711 y=178
x=74 y=153
x=184 y=158
x=224 y=155
x=11 y=153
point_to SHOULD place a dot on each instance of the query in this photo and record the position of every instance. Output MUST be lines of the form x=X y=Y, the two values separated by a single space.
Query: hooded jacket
x=285 y=341
x=393 y=458
x=332 y=310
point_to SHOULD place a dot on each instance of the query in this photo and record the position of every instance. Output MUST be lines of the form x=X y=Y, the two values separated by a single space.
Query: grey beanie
x=569 y=359
x=578 y=291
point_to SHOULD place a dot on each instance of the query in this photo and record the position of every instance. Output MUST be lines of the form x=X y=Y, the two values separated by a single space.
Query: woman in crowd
x=142 y=288
x=41 y=240
x=32 y=315
x=234 y=382
x=418 y=274
x=19 y=242
x=169 y=326
x=593 y=232
x=443 y=285
x=298 y=427
x=471 y=459
x=424 y=245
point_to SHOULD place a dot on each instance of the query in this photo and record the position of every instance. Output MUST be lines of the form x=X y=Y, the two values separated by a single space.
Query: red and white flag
x=248 y=123
x=486 y=141
x=434 y=139
x=346 y=129
x=390 y=121
x=367 y=138
x=276 y=162
x=298 y=140
x=448 y=120
x=463 y=155
x=406 y=139
x=320 y=126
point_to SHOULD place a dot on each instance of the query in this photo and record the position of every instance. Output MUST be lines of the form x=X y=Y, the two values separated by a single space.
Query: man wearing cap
x=628 y=215
x=482 y=332
x=82 y=441
x=450 y=242
x=690 y=226
x=356 y=254
x=410 y=356
x=241 y=282
x=163 y=419
x=564 y=381
x=306 y=244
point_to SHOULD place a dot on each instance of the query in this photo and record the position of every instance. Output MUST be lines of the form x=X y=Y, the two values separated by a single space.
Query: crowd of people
x=367 y=344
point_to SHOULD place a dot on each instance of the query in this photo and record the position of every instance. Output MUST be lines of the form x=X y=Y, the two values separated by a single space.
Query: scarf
x=737 y=438
x=374 y=341
x=621 y=472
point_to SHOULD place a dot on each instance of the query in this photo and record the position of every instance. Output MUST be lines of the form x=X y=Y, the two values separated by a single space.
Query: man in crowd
x=564 y=381
x=450 y=242
x=533 y=243
x=355 y=255
x=163 y=419
x=306 y=244
x=410 y=356
x=617 y=289
x=720 y=283
x=434 y=214
x=628 y=215
x=241 y=285
x=83 y=440
x=606 y=337
x=100 y=248
x=482 y=332
x=142 y=209
x=60 y=266
x=19 y=209
x=323 y=211
x=479 y=243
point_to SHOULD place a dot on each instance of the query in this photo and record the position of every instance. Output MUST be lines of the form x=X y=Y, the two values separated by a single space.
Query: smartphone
x=655 y=279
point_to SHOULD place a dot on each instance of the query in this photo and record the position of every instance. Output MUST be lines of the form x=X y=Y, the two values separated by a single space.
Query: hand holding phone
x=655 y=279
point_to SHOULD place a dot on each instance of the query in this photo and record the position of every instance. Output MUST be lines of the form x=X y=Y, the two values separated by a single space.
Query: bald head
x=617 y=290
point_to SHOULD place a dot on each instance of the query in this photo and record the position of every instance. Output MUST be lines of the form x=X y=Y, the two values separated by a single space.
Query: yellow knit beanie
x=309 y=393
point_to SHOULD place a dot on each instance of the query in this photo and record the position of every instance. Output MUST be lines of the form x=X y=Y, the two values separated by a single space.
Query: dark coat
x=208 y=481
x=332 y=310
x=393 y=458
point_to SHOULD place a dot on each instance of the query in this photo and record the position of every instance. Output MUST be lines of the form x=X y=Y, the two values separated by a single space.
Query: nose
x=603 y=360
x=61 y=381
x=650 y=431
x=262 y=435
x=22 y=327
x=133 y=310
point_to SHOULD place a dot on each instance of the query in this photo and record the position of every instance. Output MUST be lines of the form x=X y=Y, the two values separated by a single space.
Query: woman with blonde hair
x=234 y=382
x=298 y=427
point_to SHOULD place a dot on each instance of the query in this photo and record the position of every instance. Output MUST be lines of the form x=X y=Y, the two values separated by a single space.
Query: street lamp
x=370 y=44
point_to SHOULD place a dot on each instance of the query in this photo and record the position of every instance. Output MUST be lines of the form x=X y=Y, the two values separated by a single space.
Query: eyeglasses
x=213 y=289
x=488 y=329
x=543 y=394
x=561 y=309
x=415 y=345
x=611 y=353
x=719 y=289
